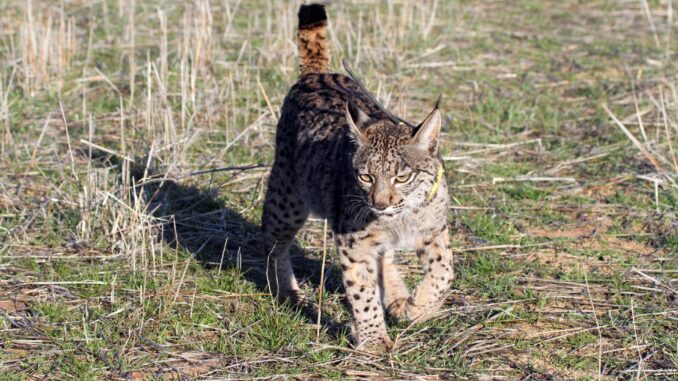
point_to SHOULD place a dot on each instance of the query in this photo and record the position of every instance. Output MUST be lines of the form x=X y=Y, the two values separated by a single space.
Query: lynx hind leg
x=284 y=214
x=436 y=259
x=394 y=289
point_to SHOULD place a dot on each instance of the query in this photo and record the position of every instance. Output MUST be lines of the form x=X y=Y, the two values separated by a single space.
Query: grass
x=135 y=140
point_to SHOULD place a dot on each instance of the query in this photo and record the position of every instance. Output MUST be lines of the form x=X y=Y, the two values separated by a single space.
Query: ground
x=136 y=138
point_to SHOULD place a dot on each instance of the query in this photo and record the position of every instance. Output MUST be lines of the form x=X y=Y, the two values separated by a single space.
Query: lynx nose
x=382 y=194
x=380 y=205
x=382 y=200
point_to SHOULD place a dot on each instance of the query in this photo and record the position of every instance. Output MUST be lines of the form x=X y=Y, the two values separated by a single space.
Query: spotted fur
x=338 y=156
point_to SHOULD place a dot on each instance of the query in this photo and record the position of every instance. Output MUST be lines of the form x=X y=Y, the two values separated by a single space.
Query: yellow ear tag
x=436 y=185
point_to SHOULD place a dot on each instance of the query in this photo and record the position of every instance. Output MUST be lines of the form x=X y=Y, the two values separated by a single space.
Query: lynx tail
x=314 y=52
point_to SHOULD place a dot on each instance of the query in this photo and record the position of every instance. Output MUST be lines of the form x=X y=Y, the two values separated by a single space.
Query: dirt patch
x=608 y=189
x=586 y=225
x=618 y=252
x=577 y=232
x=180 y=370
x=564 y=262
x=12 y=306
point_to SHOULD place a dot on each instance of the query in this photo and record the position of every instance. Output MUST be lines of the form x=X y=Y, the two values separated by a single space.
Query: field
x=136 y=138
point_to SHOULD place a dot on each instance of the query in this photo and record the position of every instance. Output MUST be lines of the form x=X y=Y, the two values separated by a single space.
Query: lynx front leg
x=436 y=258
x=359 y=263
x=392 y=284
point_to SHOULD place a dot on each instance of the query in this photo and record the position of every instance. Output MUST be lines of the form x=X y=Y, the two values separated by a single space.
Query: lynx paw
x=404 y=308
x=381 y=344
x=398 y=307
x=420 y=313
x=294 y=296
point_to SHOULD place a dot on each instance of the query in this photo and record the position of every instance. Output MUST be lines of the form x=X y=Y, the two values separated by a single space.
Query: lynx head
x=395 y=165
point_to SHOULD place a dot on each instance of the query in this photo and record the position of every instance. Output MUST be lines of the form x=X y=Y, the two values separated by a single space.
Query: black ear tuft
x=311 y=14
x=436 y=106
x=440 y=98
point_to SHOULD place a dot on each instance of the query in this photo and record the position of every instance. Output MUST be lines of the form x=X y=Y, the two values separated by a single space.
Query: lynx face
x=394 y=167
x=392 y=178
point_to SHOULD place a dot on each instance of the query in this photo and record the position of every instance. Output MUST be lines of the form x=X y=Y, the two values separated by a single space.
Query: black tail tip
x=310 y=14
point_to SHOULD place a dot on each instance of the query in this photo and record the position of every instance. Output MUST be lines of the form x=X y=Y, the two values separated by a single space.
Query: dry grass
x=136 y=139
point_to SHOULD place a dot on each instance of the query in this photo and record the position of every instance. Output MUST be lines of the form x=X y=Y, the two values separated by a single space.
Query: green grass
x=101 y=278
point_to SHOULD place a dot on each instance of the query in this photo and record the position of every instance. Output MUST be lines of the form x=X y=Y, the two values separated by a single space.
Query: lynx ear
x=426 y=135
x=356 y=120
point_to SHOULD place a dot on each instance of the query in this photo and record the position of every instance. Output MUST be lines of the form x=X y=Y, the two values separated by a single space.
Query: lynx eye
x=402 y=179
x=365 y=178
